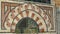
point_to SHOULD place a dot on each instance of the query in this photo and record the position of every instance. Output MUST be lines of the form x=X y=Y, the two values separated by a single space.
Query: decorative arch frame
x=46 y=13
x=14 y=24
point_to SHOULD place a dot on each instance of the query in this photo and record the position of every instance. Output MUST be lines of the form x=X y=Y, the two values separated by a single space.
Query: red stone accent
x=41 y=30
x=2 y=10
x=40 y=24
x=17 y=18
x=32 y=15
x=8 y=24
x=27 y=12
x=37 y=19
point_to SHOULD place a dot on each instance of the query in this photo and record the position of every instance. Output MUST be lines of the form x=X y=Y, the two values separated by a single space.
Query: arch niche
x=20 y=22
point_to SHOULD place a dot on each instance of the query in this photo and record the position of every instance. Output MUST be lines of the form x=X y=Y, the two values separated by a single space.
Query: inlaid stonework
x=12 y=13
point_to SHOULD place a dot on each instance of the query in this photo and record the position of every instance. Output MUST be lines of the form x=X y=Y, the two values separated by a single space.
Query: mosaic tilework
x=12 y=13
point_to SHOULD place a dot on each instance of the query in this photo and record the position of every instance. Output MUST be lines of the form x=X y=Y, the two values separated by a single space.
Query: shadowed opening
x=27 y=25
x=41 y=1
